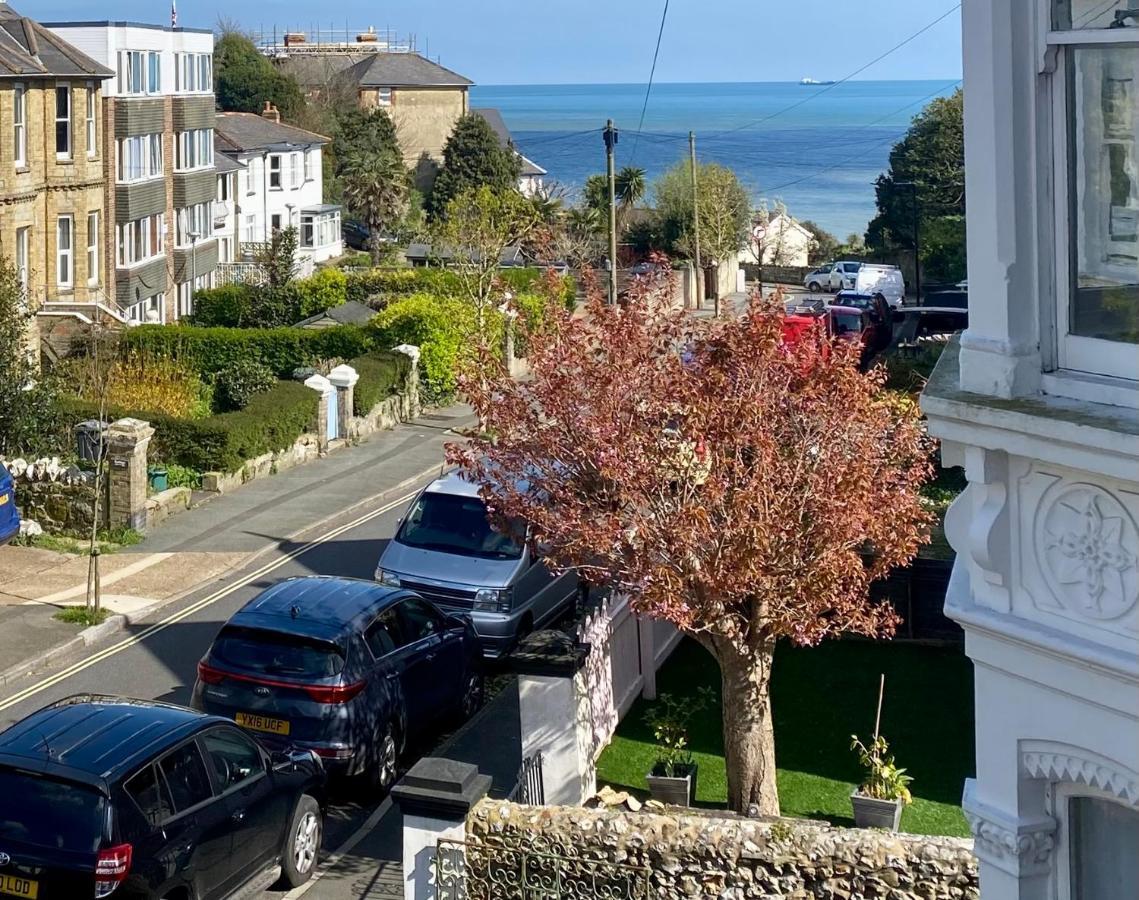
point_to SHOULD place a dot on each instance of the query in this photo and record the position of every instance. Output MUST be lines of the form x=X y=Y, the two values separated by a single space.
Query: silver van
x=446 y=551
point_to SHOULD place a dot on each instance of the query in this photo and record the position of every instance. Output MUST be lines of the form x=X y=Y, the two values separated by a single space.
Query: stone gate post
x=127 y=443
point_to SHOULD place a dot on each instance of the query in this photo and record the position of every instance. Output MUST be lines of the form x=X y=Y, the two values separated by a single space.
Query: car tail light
x=111 y=869
x=334 y=752
x=334 y=693
x=209 y=675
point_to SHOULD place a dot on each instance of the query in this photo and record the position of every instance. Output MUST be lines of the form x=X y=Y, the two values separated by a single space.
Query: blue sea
x=816 y=148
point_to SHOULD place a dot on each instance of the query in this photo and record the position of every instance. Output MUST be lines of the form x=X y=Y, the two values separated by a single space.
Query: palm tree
x=376 y=188
x=630 y=187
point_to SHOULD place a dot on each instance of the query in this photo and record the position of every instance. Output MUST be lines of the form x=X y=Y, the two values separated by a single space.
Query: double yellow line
x=174 y=618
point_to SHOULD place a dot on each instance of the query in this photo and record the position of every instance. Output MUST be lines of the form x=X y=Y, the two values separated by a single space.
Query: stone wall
x=60 y=499
x=693 y=855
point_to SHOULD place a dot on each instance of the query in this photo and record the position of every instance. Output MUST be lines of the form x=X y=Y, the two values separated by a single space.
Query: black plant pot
x=673 y=790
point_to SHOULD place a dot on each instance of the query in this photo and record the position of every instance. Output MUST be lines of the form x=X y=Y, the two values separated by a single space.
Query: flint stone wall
x=706 y=856
x=59 y=498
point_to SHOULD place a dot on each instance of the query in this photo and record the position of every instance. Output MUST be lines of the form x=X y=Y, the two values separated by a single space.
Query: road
x=157 y=657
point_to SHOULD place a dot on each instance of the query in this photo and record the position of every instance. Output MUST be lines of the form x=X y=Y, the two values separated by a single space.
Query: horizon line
x=947 y=78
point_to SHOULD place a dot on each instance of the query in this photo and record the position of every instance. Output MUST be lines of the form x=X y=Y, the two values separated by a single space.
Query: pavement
x=331 y=517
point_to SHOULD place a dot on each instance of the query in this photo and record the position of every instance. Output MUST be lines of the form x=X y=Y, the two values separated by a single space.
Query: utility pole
x=696 y=228
x=610 y=143
x=916 y=237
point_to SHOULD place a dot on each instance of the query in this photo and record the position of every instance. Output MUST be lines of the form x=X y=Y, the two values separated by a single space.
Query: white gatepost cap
x=344 y=376
x=320 y=384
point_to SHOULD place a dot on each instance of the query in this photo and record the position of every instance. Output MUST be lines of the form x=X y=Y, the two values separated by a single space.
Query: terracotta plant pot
x=673 y=791
x=872 y=813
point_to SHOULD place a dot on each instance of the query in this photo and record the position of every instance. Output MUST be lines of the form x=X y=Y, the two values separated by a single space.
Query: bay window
x=193 y=220
x=139 y=158
x=140 y=72
x=195 y=149
x=193 y=73
x=151 y=309
x=1095 y=109
x=140 y=240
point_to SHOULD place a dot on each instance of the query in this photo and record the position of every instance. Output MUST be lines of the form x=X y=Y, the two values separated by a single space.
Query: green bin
x=157 y=476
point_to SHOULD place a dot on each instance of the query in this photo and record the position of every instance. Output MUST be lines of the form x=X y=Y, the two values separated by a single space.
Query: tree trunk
x=749 y=737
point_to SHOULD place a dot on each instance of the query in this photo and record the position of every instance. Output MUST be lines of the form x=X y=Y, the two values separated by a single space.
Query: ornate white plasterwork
x=1067 y=764
x=1017 y=846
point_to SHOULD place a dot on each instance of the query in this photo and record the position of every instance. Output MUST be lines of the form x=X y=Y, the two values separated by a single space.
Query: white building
x=1040 y=404
x=781 y=241
x=280 y=183
x=158 y=162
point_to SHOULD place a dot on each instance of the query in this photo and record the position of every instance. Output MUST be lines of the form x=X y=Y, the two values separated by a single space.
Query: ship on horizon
x=813 y=81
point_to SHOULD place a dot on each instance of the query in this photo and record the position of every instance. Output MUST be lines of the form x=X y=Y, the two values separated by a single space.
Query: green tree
x=725 y=210
x=931 y=156
x=595 y=194
x=376 y=187
x=473 y=158
x=28 y=411
x=629 y=189
x=245 y=79
x=358 y=132
x=825 y=246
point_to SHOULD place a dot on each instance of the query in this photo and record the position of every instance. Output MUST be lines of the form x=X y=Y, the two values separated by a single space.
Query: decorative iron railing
x=240 y=273
x=531 y=867
x=530 y=789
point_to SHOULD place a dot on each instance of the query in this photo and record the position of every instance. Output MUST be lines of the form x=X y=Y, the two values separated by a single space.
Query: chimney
x=271 y=113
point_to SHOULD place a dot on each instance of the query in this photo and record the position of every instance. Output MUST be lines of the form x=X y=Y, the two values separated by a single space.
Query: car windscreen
x=277 y=653
x=43 y=812
x=453 y=524
x=847 y=323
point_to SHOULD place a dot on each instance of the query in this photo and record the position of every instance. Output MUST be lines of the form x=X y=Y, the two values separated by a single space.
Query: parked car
x=343 y=667
x=885 y=280
x=881 y=315
x=944 y=312
x=850 y=323
x=446 y=551
x=355 y=234
x=832 y=277
x=106 y=796
x=9 y=515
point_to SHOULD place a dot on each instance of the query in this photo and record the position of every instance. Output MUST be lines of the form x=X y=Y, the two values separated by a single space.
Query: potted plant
x=879 y=800
x=672 y=779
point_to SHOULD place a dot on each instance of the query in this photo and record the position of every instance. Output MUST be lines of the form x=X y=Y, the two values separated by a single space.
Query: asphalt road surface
x=157 y=657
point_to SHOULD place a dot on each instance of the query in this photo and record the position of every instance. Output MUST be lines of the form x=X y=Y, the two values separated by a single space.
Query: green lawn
x=821 y=696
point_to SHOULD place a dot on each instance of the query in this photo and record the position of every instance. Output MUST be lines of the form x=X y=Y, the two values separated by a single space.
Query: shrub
x=534 y=314
x=226 y=306
x=141 y=380
x=283 y=350
x=355 y=261
x=438 y=326
x=382 y=373
x=241 y=381
x=324 y=290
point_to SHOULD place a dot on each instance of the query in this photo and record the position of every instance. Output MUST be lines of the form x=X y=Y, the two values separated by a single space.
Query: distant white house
x=279 y=184
x=781 y=241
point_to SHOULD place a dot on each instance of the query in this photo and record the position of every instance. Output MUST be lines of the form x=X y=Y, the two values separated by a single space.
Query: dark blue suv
x=346 y=668
x=9 y=516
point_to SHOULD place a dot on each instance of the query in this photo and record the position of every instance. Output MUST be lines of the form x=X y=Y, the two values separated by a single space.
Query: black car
x=346 y=668
x=355 y=234
x=103 y=796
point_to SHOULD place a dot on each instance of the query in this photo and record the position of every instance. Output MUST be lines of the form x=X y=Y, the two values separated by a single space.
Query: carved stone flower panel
x=1087 y=546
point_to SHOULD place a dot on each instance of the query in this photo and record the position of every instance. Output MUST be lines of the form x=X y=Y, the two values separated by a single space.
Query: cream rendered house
x=1039 y=402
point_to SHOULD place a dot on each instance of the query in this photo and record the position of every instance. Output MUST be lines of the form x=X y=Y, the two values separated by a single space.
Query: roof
x=455 y=483
x=107 y=23
x=236 y=132
x=96 y=736
x=28 y=49
x=324 y=605
x=402 y=70
x=511 y=256
x=222 y=162
x=350 y=313
x=497 y=124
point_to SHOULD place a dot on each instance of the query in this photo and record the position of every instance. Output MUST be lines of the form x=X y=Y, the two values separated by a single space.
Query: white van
x=885 y=280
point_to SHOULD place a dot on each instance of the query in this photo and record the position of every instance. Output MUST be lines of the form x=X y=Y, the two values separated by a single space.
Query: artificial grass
x=820 y=696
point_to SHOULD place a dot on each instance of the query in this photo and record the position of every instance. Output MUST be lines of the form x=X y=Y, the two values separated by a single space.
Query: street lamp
x=917 y=237
x=193 y=269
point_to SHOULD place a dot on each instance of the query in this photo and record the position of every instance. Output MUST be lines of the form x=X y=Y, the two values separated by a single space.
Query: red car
x=843 y=323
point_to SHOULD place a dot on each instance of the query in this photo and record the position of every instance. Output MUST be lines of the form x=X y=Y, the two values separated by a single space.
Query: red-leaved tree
x=744 y=490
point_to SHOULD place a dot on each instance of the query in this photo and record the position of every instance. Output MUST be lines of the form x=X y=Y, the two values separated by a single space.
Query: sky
x=605 y=41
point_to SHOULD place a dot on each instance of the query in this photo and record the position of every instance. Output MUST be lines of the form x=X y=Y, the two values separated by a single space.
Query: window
x=251 y=228
x=1103 y=836
x=308 y=165
x=233 y=757
x=92 y=248
x=22 y=257
x=271 y=653
x=63 y=121
x=185 y=773
x=151 y=796
x=151 y=310
x=308 y=232
x=140 y=72
x=195 y=149
x=294 y=172
x=193 y=73
x=384 y=97
x=419 y=620
x=1096 y=111
x=275 y=222
x=139 y=158
x=385 y=634
x=20 y=125
x=223 y=188
x=194 y=223
x=92 y=130
x=225 y=249
x=64 y=241
x=153 y=73
x=275 y=171
x=140 y=240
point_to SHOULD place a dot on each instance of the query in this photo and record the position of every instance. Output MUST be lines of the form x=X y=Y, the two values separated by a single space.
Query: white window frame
x=22 y=249
x=1074 y=357
x=65 y=255
x=149 y=232
x=195 y=150
x=308 y=165
x=196 y=218
x=63 y=89
x=92 y=121
x=20 y=125
x=294 y=172
x=136 y=312
x=384 y=97
x=276 y=171
x=138 y=158
x=250 y=228
x=93 y=245
x=1059 y=796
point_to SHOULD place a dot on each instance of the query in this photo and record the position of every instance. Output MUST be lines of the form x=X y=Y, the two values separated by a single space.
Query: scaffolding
x=296 y=41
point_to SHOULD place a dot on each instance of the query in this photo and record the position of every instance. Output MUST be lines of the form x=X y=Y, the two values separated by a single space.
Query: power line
x=649 y=88
x=845 y=79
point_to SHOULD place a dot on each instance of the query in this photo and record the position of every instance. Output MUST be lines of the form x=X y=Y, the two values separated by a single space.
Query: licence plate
x=262 y=723
x=19 y=887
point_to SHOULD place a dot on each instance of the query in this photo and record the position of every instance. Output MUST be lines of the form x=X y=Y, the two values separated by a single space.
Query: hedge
x=222 y=443
x=209 y=350
x=390 y=283
x=382 y=373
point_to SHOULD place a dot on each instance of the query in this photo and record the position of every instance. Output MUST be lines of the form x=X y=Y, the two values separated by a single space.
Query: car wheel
x=473 y=693
x=302 y=843
x=385 y=768
x=814 y=287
